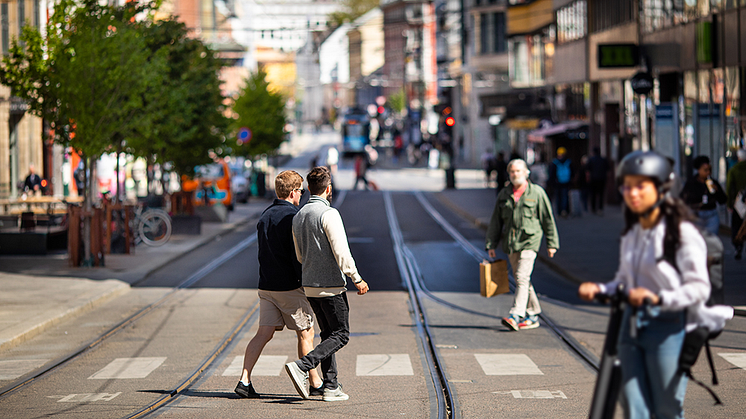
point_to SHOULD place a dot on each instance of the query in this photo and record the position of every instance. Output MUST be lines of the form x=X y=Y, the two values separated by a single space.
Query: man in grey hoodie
x=322 y=248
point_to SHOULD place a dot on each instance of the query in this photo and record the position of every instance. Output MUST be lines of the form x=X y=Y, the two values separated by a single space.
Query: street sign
x=642 y=83
x=244 y=135
x=617 y=55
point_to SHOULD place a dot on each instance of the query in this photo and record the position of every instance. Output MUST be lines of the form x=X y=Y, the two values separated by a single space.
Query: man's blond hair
x=286 y=181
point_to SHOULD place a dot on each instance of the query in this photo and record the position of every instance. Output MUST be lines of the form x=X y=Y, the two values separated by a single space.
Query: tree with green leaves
x=263 y=112
x=351 y=10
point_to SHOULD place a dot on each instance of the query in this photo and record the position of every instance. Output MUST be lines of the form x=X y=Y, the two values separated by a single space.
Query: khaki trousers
x=526 y=301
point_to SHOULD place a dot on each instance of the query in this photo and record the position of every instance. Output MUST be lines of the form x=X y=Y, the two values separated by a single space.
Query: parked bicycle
x=152 y=226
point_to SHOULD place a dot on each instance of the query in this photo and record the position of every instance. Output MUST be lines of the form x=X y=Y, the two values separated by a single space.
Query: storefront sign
x=617 y=55
x=642 y=83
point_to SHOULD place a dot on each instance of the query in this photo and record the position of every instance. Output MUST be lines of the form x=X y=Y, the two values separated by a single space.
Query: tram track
x=479 y=255
x=130 y=320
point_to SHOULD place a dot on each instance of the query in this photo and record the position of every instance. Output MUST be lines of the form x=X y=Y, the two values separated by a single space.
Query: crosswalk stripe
x=12 y=369
x=737 y=359
x=507 y=364
x=384 y=364
x=128 y=368
x=266 y=366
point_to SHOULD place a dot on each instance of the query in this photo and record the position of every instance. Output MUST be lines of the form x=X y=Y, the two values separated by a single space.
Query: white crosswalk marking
x=507 y=364
x=128 y=368
x=12 y=369
x=266 y=366
x=88 y=397
x=737 y=359
x=534 y=394
x=384 y=364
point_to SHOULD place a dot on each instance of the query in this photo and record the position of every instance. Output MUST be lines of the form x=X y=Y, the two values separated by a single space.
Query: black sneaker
x=246 y=392
x=316 y=391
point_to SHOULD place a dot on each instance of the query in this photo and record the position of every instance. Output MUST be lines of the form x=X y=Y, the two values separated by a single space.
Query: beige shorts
x=285 y=308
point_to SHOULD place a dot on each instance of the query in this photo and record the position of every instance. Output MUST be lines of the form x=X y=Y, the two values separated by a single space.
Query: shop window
x=571 y=21
x=501 y=41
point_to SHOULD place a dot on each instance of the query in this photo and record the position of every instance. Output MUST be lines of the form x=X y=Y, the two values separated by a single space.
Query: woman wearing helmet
x=675 y=296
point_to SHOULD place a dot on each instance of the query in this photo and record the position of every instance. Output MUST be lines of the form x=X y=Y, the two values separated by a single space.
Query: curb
x=75 y=310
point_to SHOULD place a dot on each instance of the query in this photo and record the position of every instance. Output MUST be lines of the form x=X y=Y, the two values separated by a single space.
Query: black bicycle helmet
x=646 y=163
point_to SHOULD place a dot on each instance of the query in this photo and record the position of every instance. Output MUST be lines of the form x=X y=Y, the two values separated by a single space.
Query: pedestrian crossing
x=273 y=365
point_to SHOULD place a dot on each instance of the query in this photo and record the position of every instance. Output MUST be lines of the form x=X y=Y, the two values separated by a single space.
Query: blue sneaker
x=511 y=322
x=530 y=322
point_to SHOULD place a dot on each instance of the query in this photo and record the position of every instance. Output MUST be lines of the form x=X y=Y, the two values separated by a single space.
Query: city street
x=418 y=246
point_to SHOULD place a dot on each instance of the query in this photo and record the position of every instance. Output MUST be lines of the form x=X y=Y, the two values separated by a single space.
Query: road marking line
x=12 y=369
x=266 y=366
x=384 y=364
x=88 y=397
x=128 y=368
x=534 y=394
x=507 y=364
x=737 y=359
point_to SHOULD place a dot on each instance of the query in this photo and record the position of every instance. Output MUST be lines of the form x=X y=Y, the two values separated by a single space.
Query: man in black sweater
x=282 y=301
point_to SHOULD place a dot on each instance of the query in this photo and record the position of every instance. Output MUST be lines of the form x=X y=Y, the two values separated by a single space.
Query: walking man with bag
x=736 y=188
x=282 y=301
x=522 y=215
x=321 y=246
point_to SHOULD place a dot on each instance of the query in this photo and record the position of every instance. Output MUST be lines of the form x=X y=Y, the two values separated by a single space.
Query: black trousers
x=333 y=316
x=597 y=188
x=735 y=224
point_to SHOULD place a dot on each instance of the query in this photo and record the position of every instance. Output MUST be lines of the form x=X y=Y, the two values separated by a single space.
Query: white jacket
x=641 y=264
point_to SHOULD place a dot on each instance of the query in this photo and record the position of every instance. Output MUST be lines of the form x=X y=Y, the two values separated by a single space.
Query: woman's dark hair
x=699 y=161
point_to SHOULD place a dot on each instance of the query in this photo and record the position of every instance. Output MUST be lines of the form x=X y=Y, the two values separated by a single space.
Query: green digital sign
x=618 y=55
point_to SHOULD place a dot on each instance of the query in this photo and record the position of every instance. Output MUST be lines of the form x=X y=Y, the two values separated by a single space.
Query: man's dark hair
x=318 y=179
x=699 y=161
x=596 y=151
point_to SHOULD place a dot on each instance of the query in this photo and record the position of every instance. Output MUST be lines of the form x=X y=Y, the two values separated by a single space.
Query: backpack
x=563 y=171
x=701 y=336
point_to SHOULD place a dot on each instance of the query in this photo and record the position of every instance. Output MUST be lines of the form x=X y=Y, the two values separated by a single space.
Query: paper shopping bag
x=493 y=278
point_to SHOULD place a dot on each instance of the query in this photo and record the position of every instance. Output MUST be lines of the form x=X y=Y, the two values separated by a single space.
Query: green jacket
x=736 y=182
x=521 y=225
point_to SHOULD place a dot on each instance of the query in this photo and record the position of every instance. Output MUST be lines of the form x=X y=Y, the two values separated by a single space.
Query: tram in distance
x=355 y=132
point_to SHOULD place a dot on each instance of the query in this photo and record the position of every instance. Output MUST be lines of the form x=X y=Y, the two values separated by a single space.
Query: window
x=484 y=32
x=5 y=28
x=571 y=21
x=21 y=15
x=609 y=13
x=501 y=41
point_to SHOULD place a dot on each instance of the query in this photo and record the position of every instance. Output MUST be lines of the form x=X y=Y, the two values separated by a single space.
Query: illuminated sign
x=618 y=55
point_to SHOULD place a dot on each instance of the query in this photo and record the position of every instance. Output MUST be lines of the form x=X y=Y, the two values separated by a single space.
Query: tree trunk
x=87 y=210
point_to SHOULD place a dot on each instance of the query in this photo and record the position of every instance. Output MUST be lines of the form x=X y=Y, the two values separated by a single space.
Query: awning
x=539 y=135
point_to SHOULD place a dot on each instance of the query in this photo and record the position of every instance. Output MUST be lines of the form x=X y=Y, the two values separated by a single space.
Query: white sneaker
x=336 y=395
x=299 y=378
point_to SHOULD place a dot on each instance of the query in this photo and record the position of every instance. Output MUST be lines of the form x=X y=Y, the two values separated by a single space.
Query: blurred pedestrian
x=598 y=169
x=32 y=184
x=361 y=168
x=702 y=194
x=501 y=168
x=488 y=165
x=584 y=180
x=735 y=187
x=522 y=215
x=282 y=300
x=649 y=348
x=560 y=178
x=321 y=247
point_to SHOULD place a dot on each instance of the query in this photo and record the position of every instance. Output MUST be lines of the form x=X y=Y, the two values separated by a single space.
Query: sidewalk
x=38 y=292
x=589 y=245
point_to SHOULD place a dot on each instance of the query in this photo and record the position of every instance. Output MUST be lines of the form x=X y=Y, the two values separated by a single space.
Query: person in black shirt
x=32 y=182
x=702 y=194
x=282 y=300
x=598 y=169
